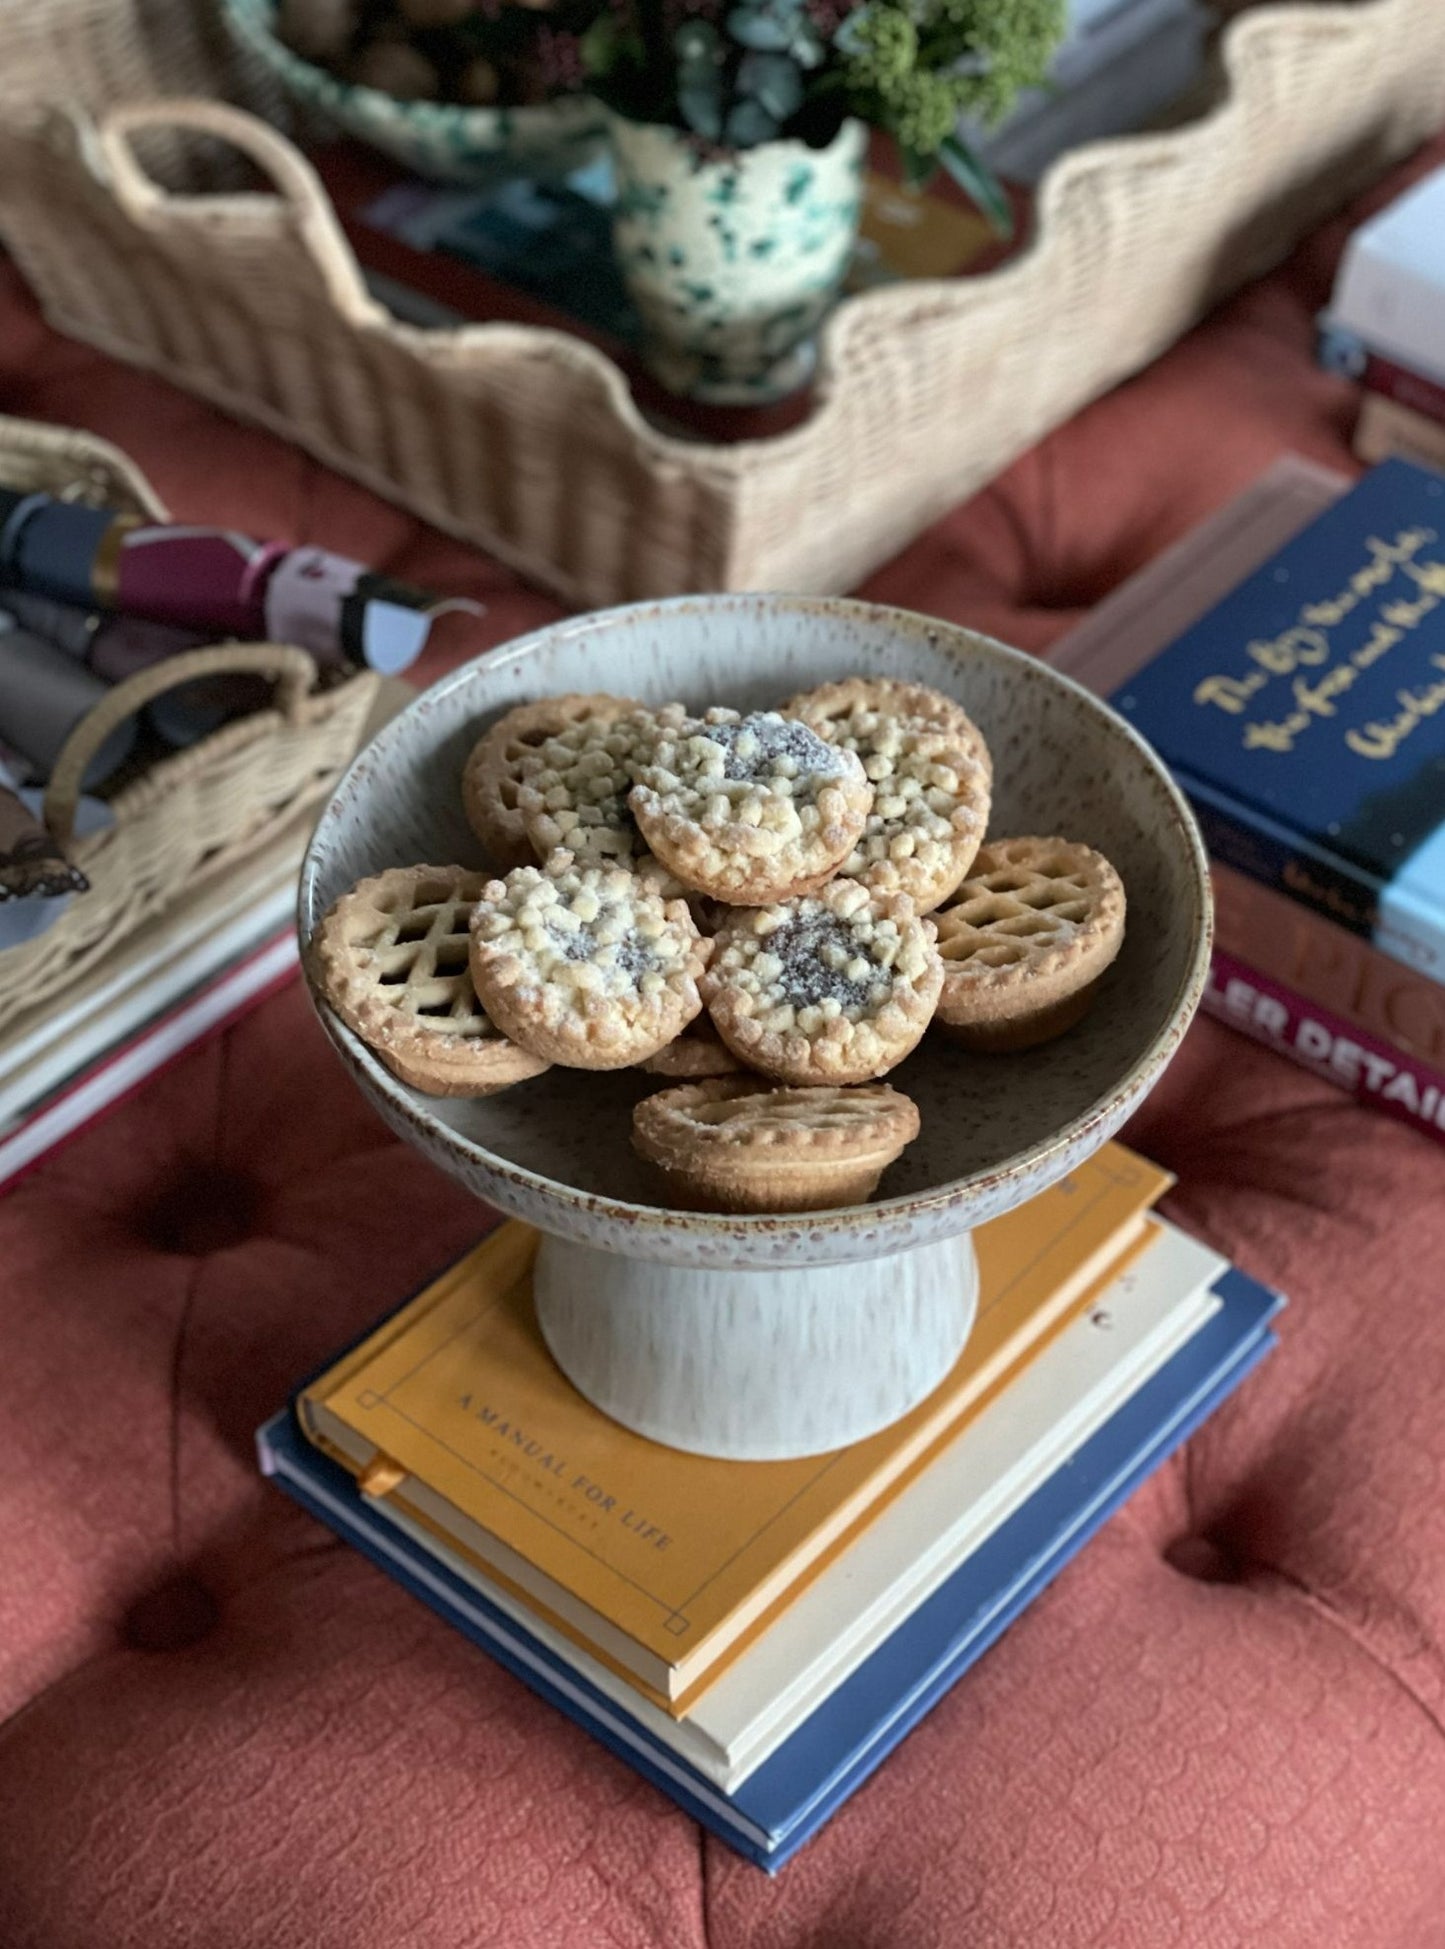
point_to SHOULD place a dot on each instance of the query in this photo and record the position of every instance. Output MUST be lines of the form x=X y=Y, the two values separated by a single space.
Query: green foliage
x=914 y=67
x=741 y=72
x=1007 y=43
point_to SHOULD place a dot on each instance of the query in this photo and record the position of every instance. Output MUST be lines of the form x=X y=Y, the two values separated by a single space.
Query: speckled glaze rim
x=863 y=1231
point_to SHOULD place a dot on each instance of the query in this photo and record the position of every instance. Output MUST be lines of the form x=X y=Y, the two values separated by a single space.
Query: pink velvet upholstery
x=1222 y=1726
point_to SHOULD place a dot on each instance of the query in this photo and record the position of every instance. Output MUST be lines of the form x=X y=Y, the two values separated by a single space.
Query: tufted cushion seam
x=178 y=1356
x=1320 y=1607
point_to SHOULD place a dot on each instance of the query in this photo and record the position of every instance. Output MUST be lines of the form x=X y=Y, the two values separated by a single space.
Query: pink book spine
x=1411 y=389
x=1321 y=1042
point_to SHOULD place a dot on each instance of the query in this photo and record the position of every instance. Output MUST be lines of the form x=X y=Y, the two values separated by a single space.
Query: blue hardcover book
x=1304 y=715
x=778 y=1808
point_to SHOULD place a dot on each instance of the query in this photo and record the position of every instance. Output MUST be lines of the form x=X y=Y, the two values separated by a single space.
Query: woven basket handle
x=305 y=201
x=293 y=670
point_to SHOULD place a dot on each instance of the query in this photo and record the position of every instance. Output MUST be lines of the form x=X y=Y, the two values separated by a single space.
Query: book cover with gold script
x=1304 y=715
x=660 y=1561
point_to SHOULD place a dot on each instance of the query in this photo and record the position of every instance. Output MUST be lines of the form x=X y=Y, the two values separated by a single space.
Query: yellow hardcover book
x=658 y=1561
x=383 y=1475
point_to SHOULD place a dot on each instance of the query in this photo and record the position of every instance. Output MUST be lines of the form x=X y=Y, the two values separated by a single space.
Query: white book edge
x=149 y=1052
x=1061 y=1398
x=1391 y=279
x=146 y=974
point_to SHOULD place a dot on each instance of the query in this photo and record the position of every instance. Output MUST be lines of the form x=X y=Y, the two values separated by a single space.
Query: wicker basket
x=528 y=442
x=191 y=817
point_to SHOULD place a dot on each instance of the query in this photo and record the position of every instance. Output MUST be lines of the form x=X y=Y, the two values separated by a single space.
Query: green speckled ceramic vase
x=733 y=259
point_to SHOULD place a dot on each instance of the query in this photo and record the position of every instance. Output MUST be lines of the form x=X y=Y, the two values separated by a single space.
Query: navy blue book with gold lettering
x=1305 y=716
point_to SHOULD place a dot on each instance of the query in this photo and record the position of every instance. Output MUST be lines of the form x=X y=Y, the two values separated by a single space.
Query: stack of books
x=1385 y=326
x=1286 y=658
x=181 y=977
x=756 y=1637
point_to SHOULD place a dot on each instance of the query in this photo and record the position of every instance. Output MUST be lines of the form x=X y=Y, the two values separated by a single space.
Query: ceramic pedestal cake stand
x=760 y=1337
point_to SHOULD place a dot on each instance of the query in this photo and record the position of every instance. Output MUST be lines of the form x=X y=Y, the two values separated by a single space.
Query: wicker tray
x=528 y=443
x=191 y=817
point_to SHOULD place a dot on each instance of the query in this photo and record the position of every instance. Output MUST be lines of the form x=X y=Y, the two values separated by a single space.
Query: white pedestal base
x=755 y=1366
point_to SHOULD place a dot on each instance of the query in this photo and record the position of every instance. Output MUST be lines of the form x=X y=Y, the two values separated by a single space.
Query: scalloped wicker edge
x=191 y=817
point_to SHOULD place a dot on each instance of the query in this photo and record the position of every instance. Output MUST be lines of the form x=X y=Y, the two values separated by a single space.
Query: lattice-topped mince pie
x=391 y=958
x=1035 y=924
x=735 y=1143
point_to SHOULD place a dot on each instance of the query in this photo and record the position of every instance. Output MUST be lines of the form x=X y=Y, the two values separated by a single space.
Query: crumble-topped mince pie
x=931 y=779
x=585 y=964
x=835 y=987
x=750 y=809
x=492 y=778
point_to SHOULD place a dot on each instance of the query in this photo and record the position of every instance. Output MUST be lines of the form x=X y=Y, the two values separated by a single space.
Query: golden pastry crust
x=492 y=776
x=572 y=790
x=699 y=1051
x=1035 y=924
x=391 y=959
x=707 y=914
x=931 y=779
x=750 y=810
x=835 y=987
x=736 y=1143
x=585 y=964
x=835 y=703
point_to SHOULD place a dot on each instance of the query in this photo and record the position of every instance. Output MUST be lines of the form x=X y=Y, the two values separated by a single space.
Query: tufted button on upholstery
x=1202 y=1559
x=208 y=1209
x=177 y=1613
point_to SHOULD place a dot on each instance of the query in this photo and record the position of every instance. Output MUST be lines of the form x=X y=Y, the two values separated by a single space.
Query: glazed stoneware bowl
x=738 y=1335
x=443 y=140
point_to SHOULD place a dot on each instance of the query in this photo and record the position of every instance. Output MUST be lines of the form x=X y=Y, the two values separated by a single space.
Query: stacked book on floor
x=1385 y=326
x=183 y=976
x=753 y=1637
x=1288 y=660
x=177 y=980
